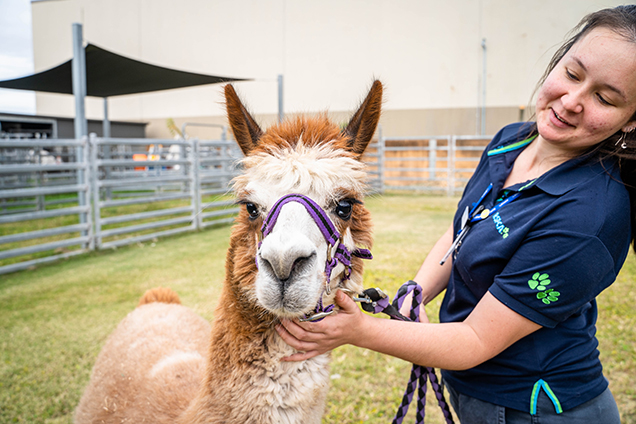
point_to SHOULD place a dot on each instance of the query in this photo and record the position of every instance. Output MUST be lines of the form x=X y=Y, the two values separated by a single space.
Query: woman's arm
x=487 y=331
x=432 y=277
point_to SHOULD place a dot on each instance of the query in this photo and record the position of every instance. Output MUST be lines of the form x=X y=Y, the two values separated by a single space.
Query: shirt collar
x=574 y=172
x=556 y=181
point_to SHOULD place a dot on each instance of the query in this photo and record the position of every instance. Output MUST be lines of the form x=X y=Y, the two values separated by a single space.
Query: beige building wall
x=428 y=53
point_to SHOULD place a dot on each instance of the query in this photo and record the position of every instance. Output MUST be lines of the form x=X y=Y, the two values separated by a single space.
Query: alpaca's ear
x=246 y=130
x=362 y=125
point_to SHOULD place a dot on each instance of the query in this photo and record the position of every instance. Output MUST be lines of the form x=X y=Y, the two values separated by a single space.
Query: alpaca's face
x=291 y=259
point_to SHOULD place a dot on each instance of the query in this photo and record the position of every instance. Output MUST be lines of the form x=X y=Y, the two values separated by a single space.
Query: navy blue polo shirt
x=546 y=255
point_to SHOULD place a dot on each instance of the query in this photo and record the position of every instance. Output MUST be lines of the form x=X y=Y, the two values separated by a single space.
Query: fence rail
x=60 y=198
x=436 y=164
x=24 y=189
x=178 y=181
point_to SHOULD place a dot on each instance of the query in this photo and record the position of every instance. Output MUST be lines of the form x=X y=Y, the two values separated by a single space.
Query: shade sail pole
x=81 y=126
x=106 y=122
x=79 y=82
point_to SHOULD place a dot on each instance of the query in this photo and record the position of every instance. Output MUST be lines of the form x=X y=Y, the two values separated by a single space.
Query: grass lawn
x=54 y=319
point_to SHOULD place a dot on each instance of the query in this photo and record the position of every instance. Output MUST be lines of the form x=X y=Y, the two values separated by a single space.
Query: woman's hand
x=315 y=338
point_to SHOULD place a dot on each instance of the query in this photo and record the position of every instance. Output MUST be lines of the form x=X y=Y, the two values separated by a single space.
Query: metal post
x=381 y=143
x=39 y=181
x=94 y=146
x=432 y=158
x=79 y=82
x=107 y=147
x=195 y=176
x=88 y=177
x=281 y=113
x=106 y=122
x=81 y=126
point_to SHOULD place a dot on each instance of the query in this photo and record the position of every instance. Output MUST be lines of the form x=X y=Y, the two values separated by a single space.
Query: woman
x=548 y=228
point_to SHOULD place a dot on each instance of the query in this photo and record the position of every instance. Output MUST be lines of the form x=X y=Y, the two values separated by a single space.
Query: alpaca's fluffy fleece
x=150 y=368
x=263 y=390
x=159 y=294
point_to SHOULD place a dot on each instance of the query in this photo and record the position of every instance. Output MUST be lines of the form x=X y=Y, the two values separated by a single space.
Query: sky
x=16 y=54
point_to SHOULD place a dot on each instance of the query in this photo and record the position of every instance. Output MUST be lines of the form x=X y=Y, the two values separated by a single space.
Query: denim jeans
x=600 y=410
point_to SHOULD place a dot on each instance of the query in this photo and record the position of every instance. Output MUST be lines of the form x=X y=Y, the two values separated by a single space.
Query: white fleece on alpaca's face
x=321 y=173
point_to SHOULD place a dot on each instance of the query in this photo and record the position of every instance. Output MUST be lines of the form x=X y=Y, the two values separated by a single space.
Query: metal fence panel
x=127 y=173
x=71 y=196
x=216 y=165
x=374 y=160
x=42 y=187
x=436 y=164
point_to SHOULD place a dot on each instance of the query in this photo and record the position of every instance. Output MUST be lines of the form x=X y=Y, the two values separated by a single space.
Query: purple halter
x=336 y=251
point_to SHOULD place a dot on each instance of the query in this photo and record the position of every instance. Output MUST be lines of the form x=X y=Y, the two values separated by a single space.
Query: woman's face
x=590 y=94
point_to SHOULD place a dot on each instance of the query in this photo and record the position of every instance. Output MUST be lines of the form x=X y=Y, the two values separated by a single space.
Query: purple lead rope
x=379 y=302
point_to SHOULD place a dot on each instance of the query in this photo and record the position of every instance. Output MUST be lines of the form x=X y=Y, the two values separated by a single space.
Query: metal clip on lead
x=316 y=317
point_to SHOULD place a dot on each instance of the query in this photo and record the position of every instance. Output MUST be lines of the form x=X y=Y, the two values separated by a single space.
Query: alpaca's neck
x=246 y=380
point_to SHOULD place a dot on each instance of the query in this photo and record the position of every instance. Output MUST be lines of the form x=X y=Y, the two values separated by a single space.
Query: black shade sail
x=109 y=74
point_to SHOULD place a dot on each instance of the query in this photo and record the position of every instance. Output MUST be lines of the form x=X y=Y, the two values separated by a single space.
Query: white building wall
x=427 y=52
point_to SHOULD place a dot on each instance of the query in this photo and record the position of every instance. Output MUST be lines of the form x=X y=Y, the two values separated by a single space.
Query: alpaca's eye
x=343 y=210
x=252 y=210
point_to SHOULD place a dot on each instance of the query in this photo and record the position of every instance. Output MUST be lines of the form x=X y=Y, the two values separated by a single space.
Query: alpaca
x=153 y=367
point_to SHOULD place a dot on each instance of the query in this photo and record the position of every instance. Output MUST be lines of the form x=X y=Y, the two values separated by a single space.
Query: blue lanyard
x=478 y=213
x=477 y=207
x=485 y=213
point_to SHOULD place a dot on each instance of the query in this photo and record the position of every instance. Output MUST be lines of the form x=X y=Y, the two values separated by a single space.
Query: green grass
x=54 y=319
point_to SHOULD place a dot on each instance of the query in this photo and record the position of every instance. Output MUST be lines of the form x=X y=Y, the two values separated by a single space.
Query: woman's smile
x=559 y=121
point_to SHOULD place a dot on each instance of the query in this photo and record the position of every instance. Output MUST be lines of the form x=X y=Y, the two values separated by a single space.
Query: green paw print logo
x=540 y=282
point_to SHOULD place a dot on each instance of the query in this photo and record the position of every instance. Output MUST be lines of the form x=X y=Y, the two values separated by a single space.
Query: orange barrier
x=140 y=157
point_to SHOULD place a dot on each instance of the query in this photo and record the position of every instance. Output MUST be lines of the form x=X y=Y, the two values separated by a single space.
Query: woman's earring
x=621 y=140
x=623 y=144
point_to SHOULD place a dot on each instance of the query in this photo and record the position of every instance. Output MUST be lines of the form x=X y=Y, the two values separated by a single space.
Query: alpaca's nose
x=288 y=253
x=287 y=260
x=287 y=265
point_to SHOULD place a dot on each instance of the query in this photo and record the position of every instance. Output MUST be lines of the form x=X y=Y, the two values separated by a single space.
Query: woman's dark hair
x=621 y=20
